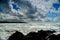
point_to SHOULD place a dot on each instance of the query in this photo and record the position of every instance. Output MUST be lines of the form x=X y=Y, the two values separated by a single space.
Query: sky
x=30 y=10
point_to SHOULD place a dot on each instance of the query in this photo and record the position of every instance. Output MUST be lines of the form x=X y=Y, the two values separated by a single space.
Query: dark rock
x=40 y=35
x=16 y=36
x=53 y=37
x=58 y=36
x=32 y=36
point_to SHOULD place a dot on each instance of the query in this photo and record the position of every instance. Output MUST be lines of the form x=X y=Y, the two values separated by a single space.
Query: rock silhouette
x=16 y=36
x=32 y=36
x=58 y=36
x=53 y=37
x=40 y=35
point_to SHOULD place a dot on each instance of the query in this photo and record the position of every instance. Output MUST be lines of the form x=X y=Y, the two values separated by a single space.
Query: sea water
x=6 y=29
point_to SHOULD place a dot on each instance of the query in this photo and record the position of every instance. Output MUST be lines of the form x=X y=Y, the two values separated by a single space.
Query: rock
x=16 y=36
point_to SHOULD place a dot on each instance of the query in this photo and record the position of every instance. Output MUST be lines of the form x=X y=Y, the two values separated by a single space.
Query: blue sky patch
x=52 y=14
x=0 y=10
x=56 y=6
x=15 y=7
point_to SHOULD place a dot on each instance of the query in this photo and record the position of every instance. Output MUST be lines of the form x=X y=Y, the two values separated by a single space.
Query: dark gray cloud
x=23 y=3
x=4 y=1
x=59 y=1
x=31 y=9
x=27 y=5
x=46 y=0
x=4 y=5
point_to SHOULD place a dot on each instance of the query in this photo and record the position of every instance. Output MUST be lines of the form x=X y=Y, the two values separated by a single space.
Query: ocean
x=6 y=29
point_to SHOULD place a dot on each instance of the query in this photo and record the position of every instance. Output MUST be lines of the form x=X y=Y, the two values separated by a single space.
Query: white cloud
x=8 y=16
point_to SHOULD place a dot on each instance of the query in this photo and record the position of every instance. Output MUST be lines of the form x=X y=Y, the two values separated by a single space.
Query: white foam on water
x=6 y=29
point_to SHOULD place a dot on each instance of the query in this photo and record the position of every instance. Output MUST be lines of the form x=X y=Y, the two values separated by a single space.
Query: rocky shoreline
x=40 y=35
x=6 y=29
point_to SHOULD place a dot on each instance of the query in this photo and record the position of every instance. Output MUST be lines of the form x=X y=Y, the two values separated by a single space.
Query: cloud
x=28 y=10
x=59 y=1
x=4 y=1
x=4 y=5
x=7 y=16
